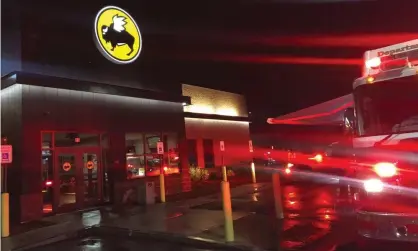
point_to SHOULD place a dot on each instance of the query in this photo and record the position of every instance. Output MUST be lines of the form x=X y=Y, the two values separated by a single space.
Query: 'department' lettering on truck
x=397 y=50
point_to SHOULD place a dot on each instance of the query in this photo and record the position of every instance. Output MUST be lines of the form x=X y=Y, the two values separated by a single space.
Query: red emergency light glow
x=373 y=63
x=48 y=183
x=385 y=170
x=318 y=158
x=370 y=79
x=373 y=186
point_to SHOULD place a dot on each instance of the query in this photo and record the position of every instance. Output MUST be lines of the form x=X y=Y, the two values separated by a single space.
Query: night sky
x=283 y=55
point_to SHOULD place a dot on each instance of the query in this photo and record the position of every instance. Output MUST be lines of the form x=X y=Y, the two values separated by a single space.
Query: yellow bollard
x=5 y=231
x=162 y=188
x=253 y=172
x=224 y=175
x=277 y=190
x=229 y=223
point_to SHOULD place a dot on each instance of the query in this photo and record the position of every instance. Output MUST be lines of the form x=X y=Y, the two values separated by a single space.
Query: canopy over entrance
x=328 y=113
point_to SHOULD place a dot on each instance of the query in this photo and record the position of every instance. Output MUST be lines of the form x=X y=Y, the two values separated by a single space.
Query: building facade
x=212 y=117
x=74 y=148
x=85 y=128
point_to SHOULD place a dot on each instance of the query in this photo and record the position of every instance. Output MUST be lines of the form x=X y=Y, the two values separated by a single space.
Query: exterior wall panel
x=209 y=101
x=54 y=109
x=235 y=135
x=11 y=127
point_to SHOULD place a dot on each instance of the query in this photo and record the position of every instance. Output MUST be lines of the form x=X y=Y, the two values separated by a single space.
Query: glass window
x=47 y=180
x=104 y=141
x=76 y=139
x=192 y=152
x=385 y=108
x=46 y=140
x=106 y=163
x=90 y=179
x=171 y=153
x=67 y=173
x=135 y=159
x=151 y=140
x=105 y=166
x=208 y=153
x=152 y=159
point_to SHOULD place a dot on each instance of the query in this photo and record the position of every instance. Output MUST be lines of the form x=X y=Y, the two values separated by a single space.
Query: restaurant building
x=212 y=117
x=82 y=141
x=84 y=115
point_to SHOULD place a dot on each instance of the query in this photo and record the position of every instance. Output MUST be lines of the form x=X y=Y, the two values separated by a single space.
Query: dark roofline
x=215 y=116
x=87 y=86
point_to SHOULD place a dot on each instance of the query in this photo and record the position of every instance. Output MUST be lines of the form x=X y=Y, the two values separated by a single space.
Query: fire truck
x=383 y=128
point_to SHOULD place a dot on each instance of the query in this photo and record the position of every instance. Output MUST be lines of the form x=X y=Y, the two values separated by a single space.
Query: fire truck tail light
x=385 y=170
x=318 y=158
x=373 y=186
x=373 y=63
x=288 y=170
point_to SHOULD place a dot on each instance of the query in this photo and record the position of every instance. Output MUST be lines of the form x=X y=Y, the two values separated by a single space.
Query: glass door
x=77 y=182
x=92 y=182
x=66 y=180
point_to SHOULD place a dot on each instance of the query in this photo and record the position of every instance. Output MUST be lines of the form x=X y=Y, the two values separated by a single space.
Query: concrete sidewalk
x=181 y=217
x=173 y=217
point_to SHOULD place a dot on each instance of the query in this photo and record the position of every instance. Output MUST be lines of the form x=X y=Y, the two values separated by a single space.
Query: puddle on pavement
x=90 y=243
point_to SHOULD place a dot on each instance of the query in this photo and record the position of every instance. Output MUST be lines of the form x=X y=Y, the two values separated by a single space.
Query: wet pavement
x=313 y=219
x=114 y=244
x=317 y=218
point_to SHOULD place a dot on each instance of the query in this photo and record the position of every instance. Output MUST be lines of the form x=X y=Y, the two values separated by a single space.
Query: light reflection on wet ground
x=114 y=244
x=317 y=218
x=311 y=213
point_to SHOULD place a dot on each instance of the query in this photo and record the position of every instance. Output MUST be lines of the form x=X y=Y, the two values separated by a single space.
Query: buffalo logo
x=66 y=166
x=117 y=35
x=90 y=165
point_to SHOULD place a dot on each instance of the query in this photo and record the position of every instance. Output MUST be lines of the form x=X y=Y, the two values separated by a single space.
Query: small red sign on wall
x=160 y=147
x=222 y=146
x=66 y=166
x=6 y=154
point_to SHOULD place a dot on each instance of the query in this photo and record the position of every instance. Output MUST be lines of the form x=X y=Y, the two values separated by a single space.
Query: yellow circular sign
x=117 y=35
x=90 y=165
x=66 y=166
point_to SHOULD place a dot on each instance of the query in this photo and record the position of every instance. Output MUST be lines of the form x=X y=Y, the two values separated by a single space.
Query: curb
x=97 y=231
x=195 y=242
x=54 y=239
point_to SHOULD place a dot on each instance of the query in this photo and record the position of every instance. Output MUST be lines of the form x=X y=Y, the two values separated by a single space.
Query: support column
x=200 y=153
x=186 y=184
x=31 y=197
x=117 y=165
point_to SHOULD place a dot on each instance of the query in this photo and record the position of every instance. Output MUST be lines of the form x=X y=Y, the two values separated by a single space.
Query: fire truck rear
x=384 y=129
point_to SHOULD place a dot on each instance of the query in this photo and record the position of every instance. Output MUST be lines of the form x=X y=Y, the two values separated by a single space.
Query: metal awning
x=328 y=113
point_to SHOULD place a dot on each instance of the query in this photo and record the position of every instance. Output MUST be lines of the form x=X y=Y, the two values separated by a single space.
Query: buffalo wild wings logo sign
x=117 y=35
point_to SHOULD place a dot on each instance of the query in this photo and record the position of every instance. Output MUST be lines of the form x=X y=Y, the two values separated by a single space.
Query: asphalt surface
x=114 y=244
x=318 y=217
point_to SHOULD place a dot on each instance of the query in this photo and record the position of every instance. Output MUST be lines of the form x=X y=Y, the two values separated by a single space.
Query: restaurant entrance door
x=78 y=178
